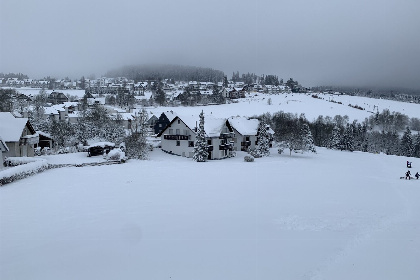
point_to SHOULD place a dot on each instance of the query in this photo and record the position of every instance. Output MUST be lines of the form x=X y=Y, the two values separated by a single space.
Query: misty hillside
x=164 y=71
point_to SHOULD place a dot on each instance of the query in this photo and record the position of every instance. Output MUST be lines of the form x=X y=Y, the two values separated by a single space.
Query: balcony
x=224 y=147
x=226 y=135
x=246 y=143
x=175 y=137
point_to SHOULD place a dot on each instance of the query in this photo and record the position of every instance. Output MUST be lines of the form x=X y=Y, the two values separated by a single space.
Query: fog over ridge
x=354 y=43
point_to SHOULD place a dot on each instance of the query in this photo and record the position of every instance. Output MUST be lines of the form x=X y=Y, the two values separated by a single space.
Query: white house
x=179 y=136
x=246 y=132
x=18 y=134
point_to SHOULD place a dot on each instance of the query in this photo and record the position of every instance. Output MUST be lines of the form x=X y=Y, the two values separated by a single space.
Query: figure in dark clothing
x=408 y=164
x=407 y=175
x=417 y=175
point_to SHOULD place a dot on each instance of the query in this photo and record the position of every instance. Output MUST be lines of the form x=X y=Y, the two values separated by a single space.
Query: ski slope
x=330 y=215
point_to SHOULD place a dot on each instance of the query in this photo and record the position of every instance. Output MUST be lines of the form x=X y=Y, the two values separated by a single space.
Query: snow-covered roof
x=50 y=111
x=244 y=126
x=44 y=134
x=124 y=116
x=102 y=144
x=212 y=126
x=11 y=128
x=69 y=104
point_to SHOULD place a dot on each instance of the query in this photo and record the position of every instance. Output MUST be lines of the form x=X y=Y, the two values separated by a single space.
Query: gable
x=12 y=128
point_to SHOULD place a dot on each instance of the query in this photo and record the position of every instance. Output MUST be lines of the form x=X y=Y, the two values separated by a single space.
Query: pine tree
x=416 y=152
x=160 y=96
x=200 y=145
x=335 y=139
x=307 y=139
x=347 y=141
x=218 y=96
x=406 y=145
x=263 y=140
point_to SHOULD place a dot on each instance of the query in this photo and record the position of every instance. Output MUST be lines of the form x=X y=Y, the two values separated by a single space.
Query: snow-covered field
x=301 y=103
x=257 y=104
x=331 y=215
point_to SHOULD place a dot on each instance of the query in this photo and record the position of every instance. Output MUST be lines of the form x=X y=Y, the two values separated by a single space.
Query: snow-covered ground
x=300 y=103
x=257 y=103
x=331 y=215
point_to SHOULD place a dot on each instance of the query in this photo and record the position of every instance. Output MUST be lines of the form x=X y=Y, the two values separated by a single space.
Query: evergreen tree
x=335 y=139
x=218 y=96
x=263 y=140
x=391 y=143
x=200 y=145
x=136 y=142
x=6 y=99
x=225 y=82
x=160 y=96
x=406 y=145
x=347 y=141
x=307 y=139
x=416 y=152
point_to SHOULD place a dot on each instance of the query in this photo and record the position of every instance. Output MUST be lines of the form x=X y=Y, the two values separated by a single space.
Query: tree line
x=172 y=72
x=386 y=132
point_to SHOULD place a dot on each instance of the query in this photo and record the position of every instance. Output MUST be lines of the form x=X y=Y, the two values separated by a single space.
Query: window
x=177 y=132
x=178 y=143
x=179 y=121
x=190 y=143
x=209 y=142
x=171 y=131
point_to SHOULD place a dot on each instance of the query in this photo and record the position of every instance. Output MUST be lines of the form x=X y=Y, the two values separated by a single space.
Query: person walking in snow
x=417 y=175
x=407 y=174
x=408 y=164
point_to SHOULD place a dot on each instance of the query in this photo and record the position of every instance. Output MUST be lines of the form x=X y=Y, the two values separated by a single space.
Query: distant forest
x=20 y=76
x=172 y=72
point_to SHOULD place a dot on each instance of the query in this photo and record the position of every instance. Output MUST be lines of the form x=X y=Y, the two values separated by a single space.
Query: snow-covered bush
x=254 y=153
x=23 y=167
x=37 y=151
x=46 y=151
x=116 y=155
x=249 y=158
x=16 y=161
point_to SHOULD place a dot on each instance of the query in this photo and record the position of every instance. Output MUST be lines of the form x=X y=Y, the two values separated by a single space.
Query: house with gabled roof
x=178 y=137
x=57 y=98
x=164 y=119
x=246 y=132
x=18 y=134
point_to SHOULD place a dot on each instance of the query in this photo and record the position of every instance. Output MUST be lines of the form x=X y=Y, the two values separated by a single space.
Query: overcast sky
x=323 y=42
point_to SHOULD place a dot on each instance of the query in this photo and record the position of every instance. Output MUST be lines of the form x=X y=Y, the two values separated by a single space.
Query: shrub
x=249 y=158
x=22 y=169
x=116 y=155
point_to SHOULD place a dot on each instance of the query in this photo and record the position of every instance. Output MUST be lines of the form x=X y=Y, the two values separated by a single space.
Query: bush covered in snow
x=22 y=168
x=15 y=161
x=249 y=158
x=116 y=154
x=254 y=153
